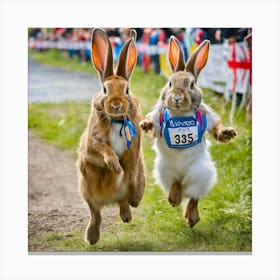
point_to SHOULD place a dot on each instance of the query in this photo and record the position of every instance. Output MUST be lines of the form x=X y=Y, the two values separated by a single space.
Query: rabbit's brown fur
x=108 y=176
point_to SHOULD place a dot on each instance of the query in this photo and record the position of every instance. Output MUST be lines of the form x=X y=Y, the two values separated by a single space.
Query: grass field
x=226 y=212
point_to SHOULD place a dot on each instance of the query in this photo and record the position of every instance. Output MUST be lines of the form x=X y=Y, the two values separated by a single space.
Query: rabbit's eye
x=192 y=85
x=127 y=90
x=170 y=84
x=105 y=90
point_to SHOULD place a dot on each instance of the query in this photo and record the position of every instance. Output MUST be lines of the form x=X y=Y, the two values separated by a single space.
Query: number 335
x=183 y=138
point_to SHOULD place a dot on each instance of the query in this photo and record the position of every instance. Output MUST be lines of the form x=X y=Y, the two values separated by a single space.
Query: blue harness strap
x=129 y=130
x=182 y=132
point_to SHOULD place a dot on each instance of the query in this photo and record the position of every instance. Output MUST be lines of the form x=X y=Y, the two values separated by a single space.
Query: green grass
x=59 y=123
x=225 y=224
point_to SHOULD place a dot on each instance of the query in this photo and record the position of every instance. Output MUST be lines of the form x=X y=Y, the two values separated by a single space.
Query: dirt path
x=54 y=203
x=53 y=84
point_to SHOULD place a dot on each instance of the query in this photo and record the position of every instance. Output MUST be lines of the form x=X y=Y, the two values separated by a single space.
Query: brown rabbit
x=110 y=159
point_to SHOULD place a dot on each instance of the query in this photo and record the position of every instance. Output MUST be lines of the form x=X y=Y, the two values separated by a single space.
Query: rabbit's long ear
x=175 y=55
x=133 y=34
x=101 y=53
x=198 y=58
x=127 y=59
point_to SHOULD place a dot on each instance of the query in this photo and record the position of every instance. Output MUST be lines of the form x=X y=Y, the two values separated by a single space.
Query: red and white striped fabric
x=239 y=64
x=228 y=69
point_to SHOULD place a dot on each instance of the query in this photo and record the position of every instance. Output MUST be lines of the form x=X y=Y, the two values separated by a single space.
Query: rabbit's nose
x=116 y=106
x=177 y=97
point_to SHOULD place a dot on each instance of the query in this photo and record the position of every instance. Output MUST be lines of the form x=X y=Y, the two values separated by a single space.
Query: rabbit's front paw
x=225 y=134
x=113 y=164
x=146 y=125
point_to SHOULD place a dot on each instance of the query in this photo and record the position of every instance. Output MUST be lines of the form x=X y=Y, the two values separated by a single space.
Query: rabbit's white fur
x=117 y=143
x=119 y=146
x=192 y=167
x=189 y=173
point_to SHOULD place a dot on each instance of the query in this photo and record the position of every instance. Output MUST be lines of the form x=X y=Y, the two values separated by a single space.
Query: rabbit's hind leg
x=136 y=190
x=125 y=212
x=175 y=195
x=93 y=228
x=191 y=212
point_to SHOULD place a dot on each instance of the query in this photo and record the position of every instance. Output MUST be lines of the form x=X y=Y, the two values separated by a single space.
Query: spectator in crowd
x=234 y=34
x=86 y=52
x=34 y=32
x=143 y=54
x=123 y=37
x=180 y=34
x=214 y=35
x=154 y=55
x=78 y=35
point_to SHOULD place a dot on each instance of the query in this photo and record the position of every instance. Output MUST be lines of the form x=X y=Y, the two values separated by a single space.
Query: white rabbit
x=183 y=164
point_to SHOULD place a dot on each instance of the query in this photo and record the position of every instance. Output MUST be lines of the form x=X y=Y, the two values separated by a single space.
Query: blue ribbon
x=126 y=123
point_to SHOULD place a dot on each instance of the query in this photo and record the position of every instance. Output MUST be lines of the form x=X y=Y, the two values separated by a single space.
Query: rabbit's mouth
x=178 y=101
x=181 y=106
x=116 y=109
x=115 y=115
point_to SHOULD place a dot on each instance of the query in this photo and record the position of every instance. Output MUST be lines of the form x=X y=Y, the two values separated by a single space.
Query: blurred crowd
x=151 y=42
x=228 y=68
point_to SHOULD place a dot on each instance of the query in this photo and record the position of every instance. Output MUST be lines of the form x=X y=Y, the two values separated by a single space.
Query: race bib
x=182 y=132
x=183 y=135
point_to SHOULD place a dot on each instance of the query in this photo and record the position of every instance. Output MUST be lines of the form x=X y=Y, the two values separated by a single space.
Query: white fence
x=216 y=75
x=59 y=45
